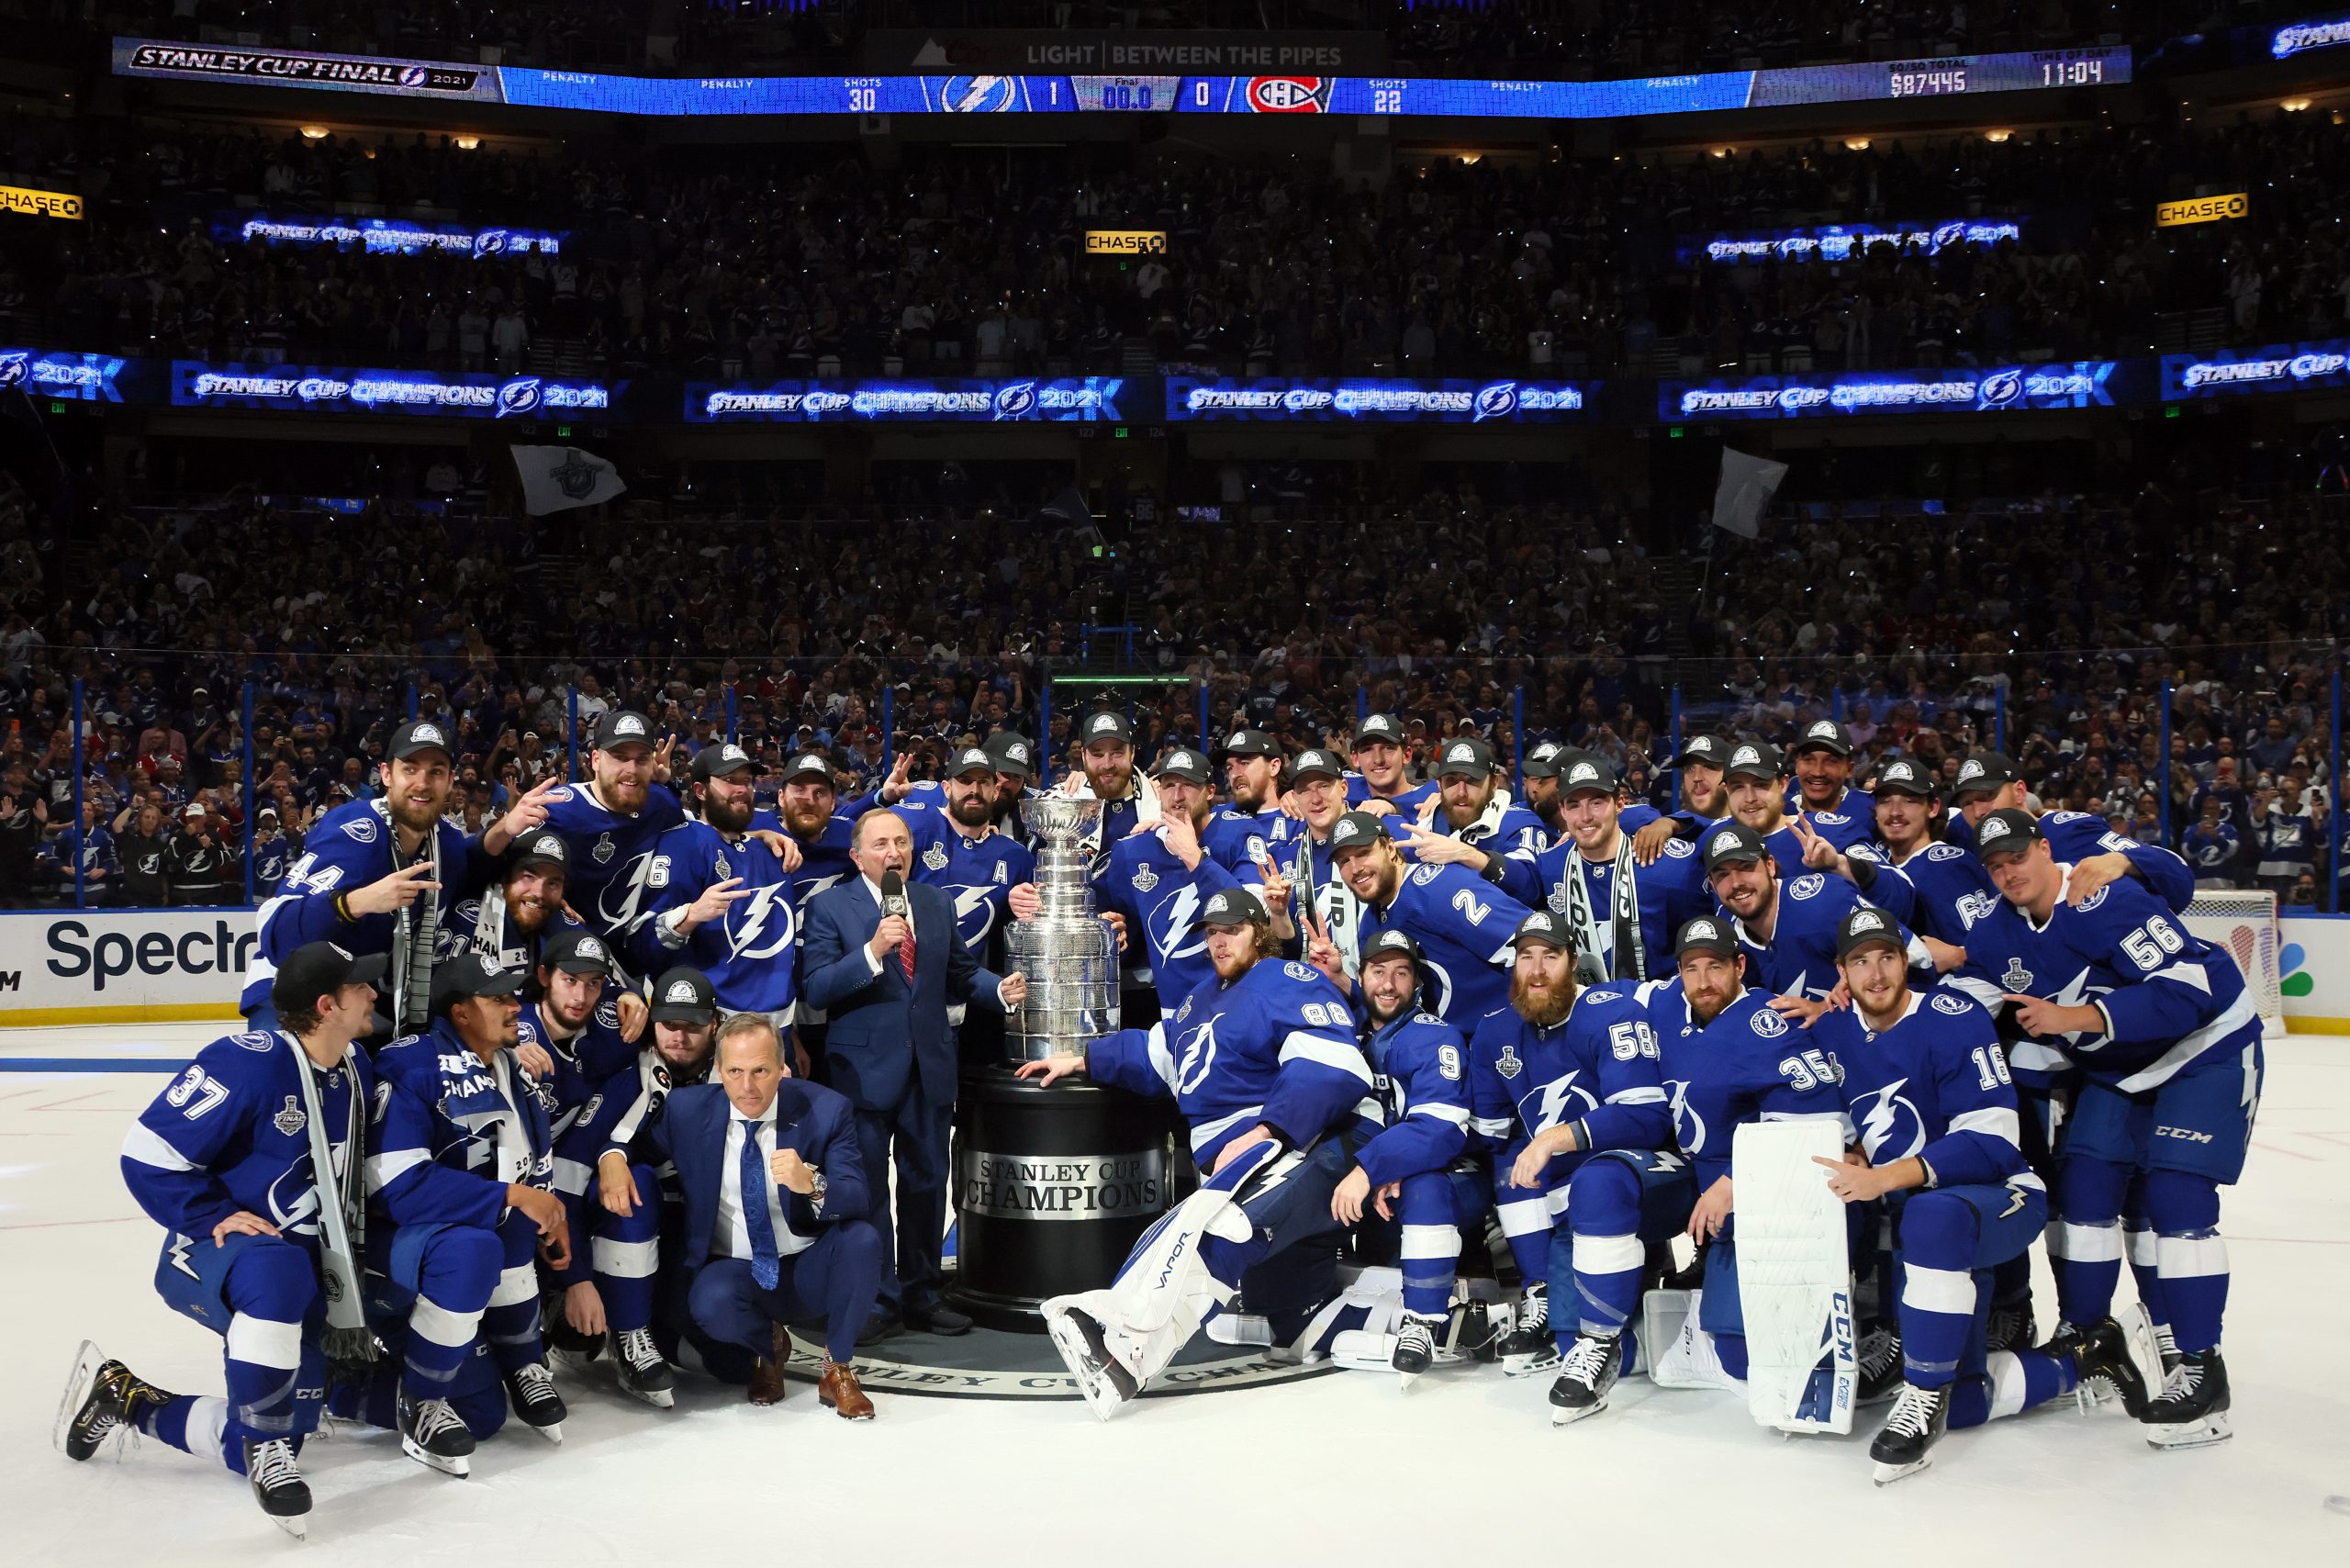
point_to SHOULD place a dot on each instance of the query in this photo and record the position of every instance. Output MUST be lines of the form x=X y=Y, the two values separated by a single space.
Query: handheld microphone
x=893 y=893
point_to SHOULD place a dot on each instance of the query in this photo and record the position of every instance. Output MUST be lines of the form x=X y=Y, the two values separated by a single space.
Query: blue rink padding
x=92 y=1064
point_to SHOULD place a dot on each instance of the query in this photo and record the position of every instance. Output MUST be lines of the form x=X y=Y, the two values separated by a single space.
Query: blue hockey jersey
x=1599 y=1066
x=1237 y=838
x=750 y=952
x=1748 y=1065
x=1506 y=829
x=2074 y=837
x=1935 y=1086
x=1852 y=819
x=452 y=1132
x=1144 y=880
x=2171 y=1000
x=1420 y=1076
x=1464 y=924
x=609 y=882
x=1668 y=891
x=1277 y=1046
x=231 y=1133
x=1942 y=874
x=1316 y=887
x=1800 y=957
x=1406 y=804
x=352 y=847
x=977 y=873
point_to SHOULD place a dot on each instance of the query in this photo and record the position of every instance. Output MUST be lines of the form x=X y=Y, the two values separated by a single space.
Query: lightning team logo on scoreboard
x=1289 y=94
x=980 y=94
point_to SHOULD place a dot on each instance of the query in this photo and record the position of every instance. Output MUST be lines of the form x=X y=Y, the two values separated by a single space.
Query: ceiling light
x=1856 y=144
x=314 y=134
x=467 y=143
x=2000 y=135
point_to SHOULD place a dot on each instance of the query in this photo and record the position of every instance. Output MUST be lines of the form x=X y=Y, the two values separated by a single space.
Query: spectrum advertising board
x=88 y=966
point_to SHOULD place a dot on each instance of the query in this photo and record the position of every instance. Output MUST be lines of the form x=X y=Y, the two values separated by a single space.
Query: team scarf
x=1627 y=949
x=416 y=930
x=342 y=1213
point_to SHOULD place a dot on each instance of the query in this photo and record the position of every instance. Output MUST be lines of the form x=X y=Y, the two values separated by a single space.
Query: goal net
x=2244 y=923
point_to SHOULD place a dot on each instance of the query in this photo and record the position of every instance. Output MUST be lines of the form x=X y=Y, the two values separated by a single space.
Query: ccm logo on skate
x=2188 y=1134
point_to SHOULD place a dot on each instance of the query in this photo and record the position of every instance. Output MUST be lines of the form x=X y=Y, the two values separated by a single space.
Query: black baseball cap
x=1863 y=924
x=623 y=726
x=1824 y=735
x=970 y=759
x=472 y=974
x=1316 y=762
x=1983 y=773
x=540 y=846
x=1706 y=933
x=1390 y=942
x=420 y=735
x=1733 y=841
x=807 y=765
x=1252 y=743
x=1378 y=727
x=683 y=995
x=315 y=968
x=1183 y=762
x=1711 y=749
x=1903 y=777
x=724 y=757
x=1754 y=759
x=576 y=951
x=1232 y=906
x=1542 y=926
x=1356 y=828
x=1107 y=725
x=1011 y=752
x=1467 y=755
x=1581 y=770
x=2008 y=828
x=1542 y=762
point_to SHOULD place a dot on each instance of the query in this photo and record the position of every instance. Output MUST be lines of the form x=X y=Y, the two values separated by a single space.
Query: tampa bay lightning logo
x=489 y=242
x=1498 y=401
x=2000 y=389
x=978 y=94
x=412 y=75
x=521 y=396
x=1767 y=1024
x=15 y=368
x=1015 y=400
x=1890 y=1124
x=1948 y=234
x=1688 y=1126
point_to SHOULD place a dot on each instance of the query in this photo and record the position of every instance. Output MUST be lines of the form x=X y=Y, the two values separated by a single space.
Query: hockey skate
x=1104 y=1384
x=642 y=1373
x=102 y=1397
x=531 y=1388
x=278 y=1486
x=1529 y=1349
x=2192 y=1411
x=1415 y=1350
x=1903 y=1445
x=1880 y=1357
x=1587 y=1375
x=2119 y=1353
x=1680 y=1354
x=435 y=1435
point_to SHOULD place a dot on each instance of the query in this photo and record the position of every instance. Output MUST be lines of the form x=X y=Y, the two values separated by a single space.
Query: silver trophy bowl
x=1068 y=953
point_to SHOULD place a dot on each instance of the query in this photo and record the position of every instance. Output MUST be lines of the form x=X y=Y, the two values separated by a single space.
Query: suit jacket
x=809 y=1117
x=882 y=1031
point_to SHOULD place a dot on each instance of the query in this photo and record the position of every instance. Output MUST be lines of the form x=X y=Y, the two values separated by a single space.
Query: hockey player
x=1987 y=782
x=1156 y=882
x=1538 y=787
x=1755 y=783
x=1565 y=1090
x=520 y=908
x=960 y=845
x=460 y=1166
x=1727 y=1059
x=1402 y=1168
x=1262 y=1063
x=1485 y=827
x=809 y=806
x=1700 y=799
x=1622 y=913
x=1379 y=786
x=720 y=903
x=374 y=873
x=1251 y=829
x=1925 y=1088
x=1463 y=923
x=1908 y=808
x=1319 y=896
x=1109 y=776
x=611 y=822
x=250 y=1161
x=2170 y=1044
x=1823 y=790
x=1787 y=930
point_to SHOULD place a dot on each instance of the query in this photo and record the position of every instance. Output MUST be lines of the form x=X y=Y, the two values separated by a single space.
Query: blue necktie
x=766 y=1264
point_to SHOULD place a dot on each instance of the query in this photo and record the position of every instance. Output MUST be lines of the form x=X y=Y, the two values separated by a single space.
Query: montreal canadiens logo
x=1498 y=401
x=1289 y=94
x=520 y=396
x=1999 y=388
x=1016 y=400
x=978 y=94
x=16 y=369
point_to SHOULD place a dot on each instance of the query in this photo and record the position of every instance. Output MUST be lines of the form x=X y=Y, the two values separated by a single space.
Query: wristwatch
x=816 y=1190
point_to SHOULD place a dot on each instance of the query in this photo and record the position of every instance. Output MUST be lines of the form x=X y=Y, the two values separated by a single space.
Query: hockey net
x=2244 y=923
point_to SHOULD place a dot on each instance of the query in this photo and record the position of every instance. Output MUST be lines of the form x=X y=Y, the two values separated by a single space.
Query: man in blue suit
x=883 y=956
x=801 y=1246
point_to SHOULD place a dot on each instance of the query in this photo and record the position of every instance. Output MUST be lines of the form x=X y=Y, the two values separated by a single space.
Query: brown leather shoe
x=839 y=1390
x=767 y=1378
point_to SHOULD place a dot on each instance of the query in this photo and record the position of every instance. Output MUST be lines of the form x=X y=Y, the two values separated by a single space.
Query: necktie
x=766 y=1265
x=906 y=953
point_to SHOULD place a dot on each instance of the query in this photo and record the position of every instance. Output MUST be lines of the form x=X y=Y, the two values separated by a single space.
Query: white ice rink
x=1464 y=1469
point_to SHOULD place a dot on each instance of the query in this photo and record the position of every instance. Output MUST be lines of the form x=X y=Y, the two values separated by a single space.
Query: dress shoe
x=878 y=1327
x=940 y=1319
x=767 y=1378
x=839 y=1391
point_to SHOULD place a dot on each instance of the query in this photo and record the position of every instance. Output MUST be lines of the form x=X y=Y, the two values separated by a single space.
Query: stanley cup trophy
x=1054 y=1185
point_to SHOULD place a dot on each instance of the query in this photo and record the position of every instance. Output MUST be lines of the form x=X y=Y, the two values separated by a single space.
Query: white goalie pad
x=1795 y=1278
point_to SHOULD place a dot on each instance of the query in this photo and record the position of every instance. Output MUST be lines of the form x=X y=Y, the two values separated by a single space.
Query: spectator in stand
x=198 y=861
x=145 y=849
x=24 y=816
x=2211 y=848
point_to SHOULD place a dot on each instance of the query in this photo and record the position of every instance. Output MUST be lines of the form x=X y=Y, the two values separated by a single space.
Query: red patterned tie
x=906 y=953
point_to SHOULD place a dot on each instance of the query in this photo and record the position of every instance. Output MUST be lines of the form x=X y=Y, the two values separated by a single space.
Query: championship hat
x=1183 y=762
x=1356 y=828
x=1863 y=924
x=2006 y=829
x=1313 y=763
x=1731 y=842
x=683 y=995
x=315 y=968
x=1824 y=735
x=420 y=735
x=623 y=726
x=1754 y=759
x=1706 y=933
x=472 y=974
x=1232 y=906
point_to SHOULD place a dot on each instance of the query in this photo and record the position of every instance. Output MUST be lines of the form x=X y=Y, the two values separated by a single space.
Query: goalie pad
x=1795 y=1280
x=1165 y=1288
